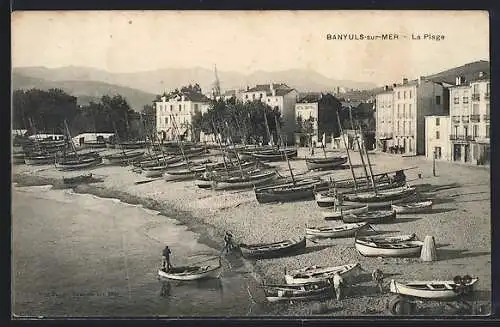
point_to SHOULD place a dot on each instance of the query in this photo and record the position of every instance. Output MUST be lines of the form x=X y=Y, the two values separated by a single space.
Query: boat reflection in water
x=168 y=287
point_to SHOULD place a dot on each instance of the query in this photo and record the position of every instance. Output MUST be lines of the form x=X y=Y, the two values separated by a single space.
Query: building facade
x=178 y=111
x=384 y=119
x=437 y=143
x=277 y=96
x=470 y=120
x=322 y=110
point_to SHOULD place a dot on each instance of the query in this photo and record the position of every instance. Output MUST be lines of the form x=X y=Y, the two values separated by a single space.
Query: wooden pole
x=368 y=160
x=434 y=163
x=359 y=146
x=348 y=155
x=284 y=152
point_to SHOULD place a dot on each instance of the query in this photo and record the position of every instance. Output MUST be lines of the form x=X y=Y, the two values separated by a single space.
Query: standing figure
x=378 y=277
x=228 y=242
x=166 y=259
x=338 y=284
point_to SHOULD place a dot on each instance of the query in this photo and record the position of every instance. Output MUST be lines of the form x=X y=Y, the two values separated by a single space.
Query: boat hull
x=275 y=155
x=367 y=250
x=325 y=164
x=403 y=209
x=34 y=161
x=225 y=185
x=85 y=164
x=266 y=251
x=371 y=217
x=285 y=193
x=380 y=205
x=348 y=230
x=441 y=289
x=318 y=274
x=211 y=273
x=337 y=214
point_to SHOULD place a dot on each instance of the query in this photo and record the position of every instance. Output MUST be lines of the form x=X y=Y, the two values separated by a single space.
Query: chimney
x=163 y=98
x=405 y=80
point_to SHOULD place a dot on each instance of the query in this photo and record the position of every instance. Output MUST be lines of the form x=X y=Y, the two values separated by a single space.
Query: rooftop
x=280 y=88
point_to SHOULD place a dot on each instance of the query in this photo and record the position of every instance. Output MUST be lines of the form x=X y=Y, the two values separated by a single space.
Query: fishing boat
x=130 y=145
x=337 y=212
x=415 y=207
x=388 y=249
x=371 y=217
x=39 y=159
x=344 y=230
x=275 y=155
x=245 y=181
x=153 y=172
x=380 y=204
x=300 y=190
x=310 y=291
x=192 y=272
x=187 y=152
x=388 y=239
x=382 y=195
x=124 y=158
x=313 y=274
x=436 y=289
x=272 y=250
x=325 y=163
x=82 y=162
x=392 y=177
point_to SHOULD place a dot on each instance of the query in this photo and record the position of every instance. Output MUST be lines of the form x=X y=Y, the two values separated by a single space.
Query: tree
x=149 y=117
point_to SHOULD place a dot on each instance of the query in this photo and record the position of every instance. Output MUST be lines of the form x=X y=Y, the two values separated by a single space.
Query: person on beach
x=338 y=285
x=166 y=259
x=378 y=277
x=228 y=242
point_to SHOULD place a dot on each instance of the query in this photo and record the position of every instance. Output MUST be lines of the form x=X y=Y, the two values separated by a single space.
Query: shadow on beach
x=429 y=188
x=450 y=254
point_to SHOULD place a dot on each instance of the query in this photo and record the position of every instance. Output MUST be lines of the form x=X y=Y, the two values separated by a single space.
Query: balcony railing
x=487 y=96
x=465 y=119
x=455 y=119
x=475 y=118
x=469 y=137
x=461 y=137
x=486 y=117
x=475 y=97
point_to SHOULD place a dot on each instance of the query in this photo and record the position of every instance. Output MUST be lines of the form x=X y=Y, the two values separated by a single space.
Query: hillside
x=469 y=71
x=85 y=91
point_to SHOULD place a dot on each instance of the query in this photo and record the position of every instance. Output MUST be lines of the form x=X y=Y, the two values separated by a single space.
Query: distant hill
x=85 y=91
x=470 y=71
x=157 y=81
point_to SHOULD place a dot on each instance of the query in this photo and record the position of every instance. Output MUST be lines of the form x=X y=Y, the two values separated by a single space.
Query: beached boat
x=190 y=152
x=380 y=204
x=313 y=274
x=83 y=162
x=299 y=292
x=389 y=249
x=325 y=163
x=436 y=289
x=272 y=250
x=412 y=207
x=371 y=217
x=153 y=172
x=337 y=212
x=388 y=239
x=381 y=178
x=275 y=155
x=46 y=159
x=192 y=272
x=382 y=195
x=245 y=181
x=78 y=179
x=344 y=230
x=300 y=190
x=124 y=158
x=130 y=145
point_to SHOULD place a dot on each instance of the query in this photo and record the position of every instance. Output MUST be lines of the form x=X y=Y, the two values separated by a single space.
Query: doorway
x=467 y=153
x=457 y=152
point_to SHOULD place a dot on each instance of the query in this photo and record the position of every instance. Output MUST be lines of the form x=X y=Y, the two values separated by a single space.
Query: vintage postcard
x=258 y=163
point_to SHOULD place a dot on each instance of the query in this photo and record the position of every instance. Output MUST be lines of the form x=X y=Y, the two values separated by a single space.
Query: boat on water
x=435 y=289
x=416 y=207
x=336 y=213
x=309 y=291
x=344 y=230
x=313 y=274
x=325 y=163
x=187 y=273
x=388 y=249
x=287 y=192
x=272 y=250
x=371 y=217
x=388 y=239
x=275 y=155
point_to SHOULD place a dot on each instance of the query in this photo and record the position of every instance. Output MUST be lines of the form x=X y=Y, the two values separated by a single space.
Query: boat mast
x=70 y=140
x=267 y=127
x=368 y=160
x=359 y=146
x=234 y=149
x=219 y=142
x=348 y=155
x=284 y=151
x=179 y=141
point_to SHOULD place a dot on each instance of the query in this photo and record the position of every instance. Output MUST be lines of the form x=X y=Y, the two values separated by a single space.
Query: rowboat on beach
x=309 y=291
x=287 y=192
x=317 y=273
x=124 y=158
x=275 y=155
x=389 y=249
x=380 y=204
x=416 y=207
x=192 y=272
x=388 y=239
x=325 y=163
x=392 y=177
x=338 y=212
x=39 y=159
x=344 y=230
x=381 y=195
x=272 y=250
x=371 y=217
x=83 y=162
x=245 y=181
x=436 y=289
x=78 y=179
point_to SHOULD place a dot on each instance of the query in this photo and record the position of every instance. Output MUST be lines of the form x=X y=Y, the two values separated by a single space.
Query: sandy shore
x=460 y=224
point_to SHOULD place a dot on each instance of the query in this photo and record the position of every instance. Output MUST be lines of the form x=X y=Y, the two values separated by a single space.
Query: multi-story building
x=178 y=111
x=277 y=96
x=384 y=120
x=411 y=102
x=321 y=109
x=437 y=143
x=470 y=120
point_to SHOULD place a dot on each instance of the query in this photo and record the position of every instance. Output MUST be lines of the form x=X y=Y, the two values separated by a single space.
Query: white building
x=179 y=110
x=278 y=96
x=384 y=111
x=83 y=138
x=437 y=142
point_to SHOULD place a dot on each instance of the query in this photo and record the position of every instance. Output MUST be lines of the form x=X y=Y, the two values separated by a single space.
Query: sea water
x=78 y=255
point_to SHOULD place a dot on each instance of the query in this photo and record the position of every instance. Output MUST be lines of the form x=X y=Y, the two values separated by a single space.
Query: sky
x=131 y=41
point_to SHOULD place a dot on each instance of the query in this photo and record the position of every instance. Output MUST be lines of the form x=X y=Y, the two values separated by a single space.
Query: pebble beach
x=460 y=222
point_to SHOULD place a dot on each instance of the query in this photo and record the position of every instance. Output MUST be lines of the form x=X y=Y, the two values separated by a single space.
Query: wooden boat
x=110 y=145
x=130 y=145
x=317 y=273
x=398 y=177
x=344 y=230
x=153 y=172
x=79 y=163
x=412 y=207
x=382 y=195
x=339 y=211
x=272 y=250
x=187 y=152
x=310 y=291
x=94 y=144
x=388 y=239
x=371 y=217
x=301 y=190
x=325 y=163
x=389 y=249
x=192 y=272
x=275 y=155
x=156 y=162
x=436 y=289
x=381 y=204
x=245 y=181
x=124 y=158
x=39 y=159
x=78 y=179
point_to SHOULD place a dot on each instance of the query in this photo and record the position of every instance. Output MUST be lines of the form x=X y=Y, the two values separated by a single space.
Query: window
x=399 y=95
x=456 y=100
x=171 y=107
x=399 y=107
x=268 y=100
x=437 y=152
x=253 y=96
x=246 y=96
x=475 y=88
x=438 y=100
x=404 y=95
x=166 y=120
x=404 y=128
x=437 y=135
x=437 y=121
x=466 y=131
x=409 y=97
x=195 y=107
x=465 y=99
x=409 y=110
x=398 y=128
x=487 y=131
x=180 y=108
x=404 y=110
x=475 y=130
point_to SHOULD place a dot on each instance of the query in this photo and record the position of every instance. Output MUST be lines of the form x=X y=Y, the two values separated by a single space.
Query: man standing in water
x=166 y=258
